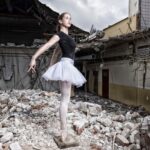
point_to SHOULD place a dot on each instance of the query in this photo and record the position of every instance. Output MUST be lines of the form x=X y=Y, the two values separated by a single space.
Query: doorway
x=105 y=83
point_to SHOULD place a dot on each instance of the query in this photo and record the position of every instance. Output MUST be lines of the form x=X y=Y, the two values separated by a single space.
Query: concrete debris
x=126 y=132
x=1 y=148
x=135 y=137
x=4 y=98
x=105 y=121
x=15 y=146
x=6 y=137
x=79 y=125
x=95 y=147
x=30 y=119
x=119 y=118
x=122 y=140
x=3 y=131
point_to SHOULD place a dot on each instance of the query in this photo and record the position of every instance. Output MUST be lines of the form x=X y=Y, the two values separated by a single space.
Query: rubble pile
x=30 y=118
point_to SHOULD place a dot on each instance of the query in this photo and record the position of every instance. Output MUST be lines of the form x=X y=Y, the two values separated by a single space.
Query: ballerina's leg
x=65 y=88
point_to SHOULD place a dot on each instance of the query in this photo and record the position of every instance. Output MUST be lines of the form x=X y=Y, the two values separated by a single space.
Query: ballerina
x=64 y=70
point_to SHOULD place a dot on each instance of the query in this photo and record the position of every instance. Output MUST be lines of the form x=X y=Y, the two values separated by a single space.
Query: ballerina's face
x=66 y=20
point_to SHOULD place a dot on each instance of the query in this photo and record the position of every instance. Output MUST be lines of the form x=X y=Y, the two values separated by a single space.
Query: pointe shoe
x=64 y=136
x=70 y=141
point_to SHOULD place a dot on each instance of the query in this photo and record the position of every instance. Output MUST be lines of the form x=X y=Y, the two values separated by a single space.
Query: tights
x=65 y=88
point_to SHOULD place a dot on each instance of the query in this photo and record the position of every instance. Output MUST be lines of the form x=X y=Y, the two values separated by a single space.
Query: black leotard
x=67 y=44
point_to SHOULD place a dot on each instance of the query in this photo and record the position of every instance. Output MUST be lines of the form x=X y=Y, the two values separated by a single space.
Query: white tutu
x=65 y=70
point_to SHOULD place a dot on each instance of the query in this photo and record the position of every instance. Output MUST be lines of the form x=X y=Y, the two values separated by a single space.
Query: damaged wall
x=14 y=63
x=124 y=26
x=138 y=19
x=121 y=69
x=125 y=82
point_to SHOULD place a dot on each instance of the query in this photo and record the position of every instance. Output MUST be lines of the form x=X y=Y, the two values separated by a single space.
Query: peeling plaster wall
x=125 y=82
x=14 y=63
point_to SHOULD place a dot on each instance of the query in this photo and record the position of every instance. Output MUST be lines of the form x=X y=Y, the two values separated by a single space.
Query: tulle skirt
x=65 y=70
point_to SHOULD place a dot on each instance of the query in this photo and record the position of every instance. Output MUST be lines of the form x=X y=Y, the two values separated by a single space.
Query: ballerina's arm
x=54 y=39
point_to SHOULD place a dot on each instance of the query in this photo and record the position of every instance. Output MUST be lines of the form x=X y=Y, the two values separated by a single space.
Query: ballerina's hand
x=32 y=66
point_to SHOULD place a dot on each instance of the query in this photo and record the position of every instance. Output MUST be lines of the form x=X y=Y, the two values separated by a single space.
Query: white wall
x=124 y=73
x=133 y=7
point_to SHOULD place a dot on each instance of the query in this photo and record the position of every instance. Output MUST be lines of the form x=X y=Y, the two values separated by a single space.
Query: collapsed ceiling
x=29 y=18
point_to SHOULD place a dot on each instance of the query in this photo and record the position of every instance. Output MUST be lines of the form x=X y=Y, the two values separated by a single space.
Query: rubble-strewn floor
x=30 y=118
